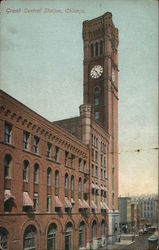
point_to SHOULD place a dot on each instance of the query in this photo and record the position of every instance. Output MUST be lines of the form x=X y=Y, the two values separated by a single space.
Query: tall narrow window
x=3 y=239
x=96 y=156
x=92 y=170
x=49 y=150
x=51 y=237
x=56 y=183
x=85 y=187
x=68 y=237
x=81 y=235
x=25 y=170
x=92 y=154
x=72 y=186
x=26 y=136
x=57 y=154
x=66 y=158
x=7 y=166
x=7 y=133
x=49 y=177
x=66 y=184
x=85 y=167
x=94 y=229
x=96 y=171
x=36 y=144
x=29 y=238
x=36 y=173
x=80 y=165
x=96 y=115
x=36 y=201
x=96 y=96
x=49 y=200
x=96 y=48
x=80 y=188
x=72 y=161
x=92 y=50
x=101 y=47
x=103 y=228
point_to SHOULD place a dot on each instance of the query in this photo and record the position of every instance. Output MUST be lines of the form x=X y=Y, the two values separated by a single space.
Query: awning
x=8 y=195
x=58 y=202
x=102 y=188
x=93 y=186
x=105 y=189
x=97 y=187
x=93 y=205
x=67 y=203
x=105 y=205
x=85 y=204
x=27 y=202
x=80 y=204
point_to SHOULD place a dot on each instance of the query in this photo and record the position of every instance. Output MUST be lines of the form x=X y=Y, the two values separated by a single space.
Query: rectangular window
x=49 y=203
x=7 y=133
x=80 y=165
x=36 y=144
x=66 y=158
x=72 y=161
x=49 y=150
x=57 y=154
x=36 y=202
x=26 y=136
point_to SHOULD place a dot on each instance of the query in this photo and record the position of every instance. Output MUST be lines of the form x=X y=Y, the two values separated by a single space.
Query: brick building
x=59 y=181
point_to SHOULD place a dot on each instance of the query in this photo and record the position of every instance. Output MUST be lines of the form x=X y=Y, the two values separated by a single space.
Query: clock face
x=96 y=71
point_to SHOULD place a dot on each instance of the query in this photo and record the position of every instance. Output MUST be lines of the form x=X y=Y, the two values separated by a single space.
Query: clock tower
x=101 y=69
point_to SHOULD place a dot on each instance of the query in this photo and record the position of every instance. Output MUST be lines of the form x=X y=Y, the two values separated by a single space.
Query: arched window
x=81 y=234
x=72 y=186
x=57 y=183
x=94 y=229
x=36 y=173
x=29 y=238
x=25 y=170
x=92 y=50
x=66 y=184
x=51 y=237
x=103 y=228
x=96 y=95
x=49 y=177
x=3 y=239
x=68 y=236
x=7 y=166
x=101 y=47
x=96 y=48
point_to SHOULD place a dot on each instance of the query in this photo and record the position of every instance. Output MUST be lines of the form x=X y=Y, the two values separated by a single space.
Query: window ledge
x=7 y=144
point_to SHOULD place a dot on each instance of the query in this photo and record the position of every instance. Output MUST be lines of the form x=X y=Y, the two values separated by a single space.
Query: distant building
x=148 y=209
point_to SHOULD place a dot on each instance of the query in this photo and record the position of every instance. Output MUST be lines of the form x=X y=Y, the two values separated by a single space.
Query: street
x=140 y=243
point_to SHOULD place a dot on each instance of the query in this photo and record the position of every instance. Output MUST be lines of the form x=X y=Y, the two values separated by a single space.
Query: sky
x=41 y=65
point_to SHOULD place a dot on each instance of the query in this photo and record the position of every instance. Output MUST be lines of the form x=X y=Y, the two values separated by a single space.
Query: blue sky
x=42 y=66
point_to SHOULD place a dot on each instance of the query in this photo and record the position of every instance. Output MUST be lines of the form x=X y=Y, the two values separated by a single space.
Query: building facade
x=148 y=209
x=59 y=181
